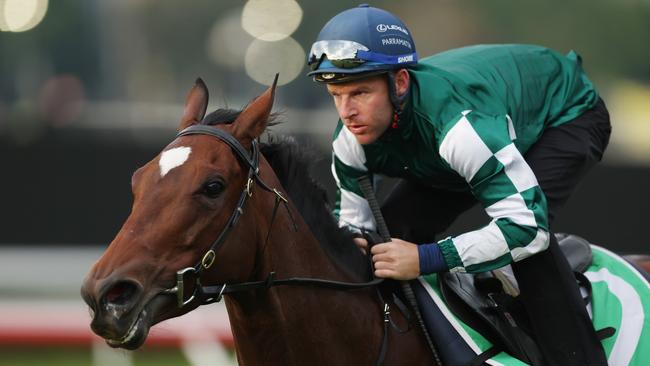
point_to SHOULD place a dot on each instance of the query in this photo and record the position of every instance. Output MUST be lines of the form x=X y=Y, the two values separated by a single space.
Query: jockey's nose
x=347 y=108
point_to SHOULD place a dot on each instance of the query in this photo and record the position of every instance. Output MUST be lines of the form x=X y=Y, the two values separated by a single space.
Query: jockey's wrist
x=431 y=259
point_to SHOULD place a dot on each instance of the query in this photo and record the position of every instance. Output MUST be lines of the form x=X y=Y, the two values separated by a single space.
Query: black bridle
x=207 y=294
x=210 y=294
x=191 y=276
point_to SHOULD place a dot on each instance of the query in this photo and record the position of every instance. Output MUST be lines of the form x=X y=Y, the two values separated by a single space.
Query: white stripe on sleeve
x=516 y=168
x=355 y=211
x=514 y=208
x=464 y=150
x=481 y=245
x=538 y=244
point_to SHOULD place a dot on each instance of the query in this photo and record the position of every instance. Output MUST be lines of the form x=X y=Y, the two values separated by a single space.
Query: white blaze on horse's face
x=173 y=158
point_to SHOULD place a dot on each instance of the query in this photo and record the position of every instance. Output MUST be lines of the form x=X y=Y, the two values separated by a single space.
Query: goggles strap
x=406 y=59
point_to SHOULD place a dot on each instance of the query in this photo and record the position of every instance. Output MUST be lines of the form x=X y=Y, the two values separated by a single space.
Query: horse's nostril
x=120 y=293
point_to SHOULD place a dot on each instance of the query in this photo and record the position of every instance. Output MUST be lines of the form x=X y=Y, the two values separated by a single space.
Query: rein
x=210 y=294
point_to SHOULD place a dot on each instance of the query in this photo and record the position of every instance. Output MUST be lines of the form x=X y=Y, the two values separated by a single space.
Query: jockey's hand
x=397 y=259
x=362 y=244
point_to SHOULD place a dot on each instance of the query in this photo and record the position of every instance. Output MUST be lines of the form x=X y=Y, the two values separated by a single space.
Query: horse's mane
x=291 y=162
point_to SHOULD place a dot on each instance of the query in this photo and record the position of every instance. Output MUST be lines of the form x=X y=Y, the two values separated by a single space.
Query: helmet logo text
x=396 y=42
x=384 y=27
x=403 y=59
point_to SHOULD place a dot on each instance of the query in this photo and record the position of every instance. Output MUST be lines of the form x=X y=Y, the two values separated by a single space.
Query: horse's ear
x=252 y=121
x=195 y=104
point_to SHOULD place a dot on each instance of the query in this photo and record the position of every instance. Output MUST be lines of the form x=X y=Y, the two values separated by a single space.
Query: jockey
x=512 y=127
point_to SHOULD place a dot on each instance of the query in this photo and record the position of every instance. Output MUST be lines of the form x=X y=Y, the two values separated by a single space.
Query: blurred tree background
x=93 y=89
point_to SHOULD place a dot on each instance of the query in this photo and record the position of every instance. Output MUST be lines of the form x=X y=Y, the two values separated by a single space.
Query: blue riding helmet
x=360 y=42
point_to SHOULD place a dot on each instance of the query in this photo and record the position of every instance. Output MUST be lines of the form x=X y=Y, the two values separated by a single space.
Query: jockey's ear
x=195 y=105
x=402 y=82
x=252 y=121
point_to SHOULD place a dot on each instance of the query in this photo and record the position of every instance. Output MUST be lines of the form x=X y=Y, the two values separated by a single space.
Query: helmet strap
x=395 y=100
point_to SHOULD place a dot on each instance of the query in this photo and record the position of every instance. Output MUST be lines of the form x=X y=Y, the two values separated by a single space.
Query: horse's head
x=182 y=200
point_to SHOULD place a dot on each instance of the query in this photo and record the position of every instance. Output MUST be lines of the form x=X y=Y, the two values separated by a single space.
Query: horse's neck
x=269 y=323
x=287 y=245
x=288 y=248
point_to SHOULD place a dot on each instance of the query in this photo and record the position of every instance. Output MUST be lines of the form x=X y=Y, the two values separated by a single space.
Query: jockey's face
x=364 y=105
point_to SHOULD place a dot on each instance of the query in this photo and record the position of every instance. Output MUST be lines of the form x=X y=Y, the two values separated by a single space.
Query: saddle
x=487 y=301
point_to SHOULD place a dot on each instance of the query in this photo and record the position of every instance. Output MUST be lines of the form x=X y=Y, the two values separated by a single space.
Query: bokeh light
x=227 y=42
x=271 y=20
x=628 y=103
x=265 y=59
x=21 y=15
x=273 y=51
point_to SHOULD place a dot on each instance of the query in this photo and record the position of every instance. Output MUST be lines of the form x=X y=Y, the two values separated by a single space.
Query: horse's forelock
x=221 y=116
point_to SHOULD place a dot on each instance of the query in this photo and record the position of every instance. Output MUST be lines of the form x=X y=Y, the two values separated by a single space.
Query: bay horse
x=182 y=200
x=210 y=210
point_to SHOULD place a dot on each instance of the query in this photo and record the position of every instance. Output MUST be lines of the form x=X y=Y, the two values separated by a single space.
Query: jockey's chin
x=366 y=134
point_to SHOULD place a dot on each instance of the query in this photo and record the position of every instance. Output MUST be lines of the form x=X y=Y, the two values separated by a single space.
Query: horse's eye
x=213 y=188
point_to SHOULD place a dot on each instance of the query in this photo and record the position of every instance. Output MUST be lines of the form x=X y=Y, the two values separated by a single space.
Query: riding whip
x=382 y=229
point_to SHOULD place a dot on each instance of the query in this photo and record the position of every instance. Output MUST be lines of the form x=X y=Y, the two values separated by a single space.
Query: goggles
x=350 y=54
x=342 y=54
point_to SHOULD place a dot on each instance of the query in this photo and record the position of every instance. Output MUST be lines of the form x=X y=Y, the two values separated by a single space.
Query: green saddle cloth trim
x=620 y=299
